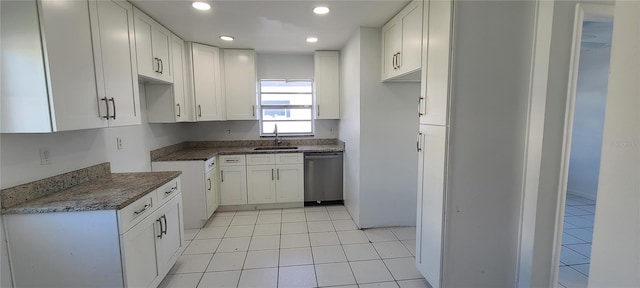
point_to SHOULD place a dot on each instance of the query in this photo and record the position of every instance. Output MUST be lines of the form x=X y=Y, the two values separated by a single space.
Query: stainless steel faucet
x=277 y=141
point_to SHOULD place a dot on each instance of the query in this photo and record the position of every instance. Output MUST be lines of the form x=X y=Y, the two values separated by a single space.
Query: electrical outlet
x=45 y=156
x=119 y=140
x=228 y=131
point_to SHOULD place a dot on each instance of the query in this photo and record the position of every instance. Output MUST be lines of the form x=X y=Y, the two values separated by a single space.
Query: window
x=288 y=104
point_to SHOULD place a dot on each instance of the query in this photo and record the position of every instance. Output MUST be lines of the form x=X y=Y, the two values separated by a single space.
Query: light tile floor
x=576 y=242
x=317 y=246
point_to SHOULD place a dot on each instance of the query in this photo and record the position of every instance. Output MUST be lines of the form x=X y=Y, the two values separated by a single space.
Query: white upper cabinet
x=172 y=103
x=327 y=84
x=117 y=64
x=402 y=44
x=434 y=86
x=240 y=84
x=69 y=72
x=207 y=83
x=153 y=43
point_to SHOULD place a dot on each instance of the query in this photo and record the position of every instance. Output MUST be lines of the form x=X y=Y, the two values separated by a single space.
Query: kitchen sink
x=276 y=148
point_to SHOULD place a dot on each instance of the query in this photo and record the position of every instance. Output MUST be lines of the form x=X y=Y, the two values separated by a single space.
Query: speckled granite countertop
x=107 y=192
x=193 y=151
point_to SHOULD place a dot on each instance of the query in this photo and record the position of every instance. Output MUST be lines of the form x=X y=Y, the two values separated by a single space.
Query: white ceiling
x=271 y=26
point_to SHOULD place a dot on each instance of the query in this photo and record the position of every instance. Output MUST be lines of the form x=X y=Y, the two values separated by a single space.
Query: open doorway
x=583 y=141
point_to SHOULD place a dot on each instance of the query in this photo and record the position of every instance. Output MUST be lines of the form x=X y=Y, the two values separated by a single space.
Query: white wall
x=379 y=127
x=588 y=122
x=350 y=123
x=615 y=251
x=270 y=66
x=490 y=88
x=389 y=160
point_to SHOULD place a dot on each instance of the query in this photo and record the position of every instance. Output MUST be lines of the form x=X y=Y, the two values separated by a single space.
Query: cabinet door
x=161 y=41
x=210 y=192
x=206 y=83
x=240 y=84
x=431 y=207
x=139 y=245
x=436 y=79
x=168 y=245
x=391 y=45
x=180 y=104
x=261 y=184
x=410 y=57
x=327 y=84
x=233 y=185
x=290 y=183
x=71 y=68
x=115 y=20
x=147 y=66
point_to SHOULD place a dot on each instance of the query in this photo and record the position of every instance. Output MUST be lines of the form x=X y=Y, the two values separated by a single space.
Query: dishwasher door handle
x=331 y=156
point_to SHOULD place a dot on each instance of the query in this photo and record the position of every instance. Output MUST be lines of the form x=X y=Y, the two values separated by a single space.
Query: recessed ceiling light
x=201 y=5
x=226 y=38
x=321 y=10
x=312 y=39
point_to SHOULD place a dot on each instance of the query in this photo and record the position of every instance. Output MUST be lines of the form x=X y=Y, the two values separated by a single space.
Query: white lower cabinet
x=199 y=188
x=233 y=180
x=279 y=181
x=135 y=246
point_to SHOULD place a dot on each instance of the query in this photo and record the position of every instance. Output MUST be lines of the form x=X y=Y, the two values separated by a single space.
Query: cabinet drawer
x=209 y=164
x=136 y=211
x=167 y=191
x=232 y=160
x=260 y=159
x=289 y=158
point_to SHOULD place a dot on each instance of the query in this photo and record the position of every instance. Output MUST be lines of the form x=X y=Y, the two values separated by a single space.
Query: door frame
x=583 y=12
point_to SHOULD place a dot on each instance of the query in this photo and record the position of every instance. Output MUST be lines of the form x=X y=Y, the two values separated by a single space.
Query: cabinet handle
x=156 y=64
x=211 y=164
x=253 y=110
x=418 y=142
x=179 y=111
x=232 y=160
x=142 y=210
x=420 y=106
x=272 y=174
x=171 y=190
x=159 y=220
x=199 y=111
x=393 y=61
x=165 y=224
x=113 y=101
x=221 y=175
x=210 y=186
x=318 y=110
x=106 y=103
x=399 y=60
x=278 y=174
x=161 y=65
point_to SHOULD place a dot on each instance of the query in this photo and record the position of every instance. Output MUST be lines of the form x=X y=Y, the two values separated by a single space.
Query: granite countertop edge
x=110 y=192
x=205 y=153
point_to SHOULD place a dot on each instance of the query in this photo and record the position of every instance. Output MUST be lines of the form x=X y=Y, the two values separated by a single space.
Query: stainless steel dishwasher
x=323 y=176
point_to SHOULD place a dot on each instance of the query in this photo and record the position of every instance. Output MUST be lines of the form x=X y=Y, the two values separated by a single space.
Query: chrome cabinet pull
x=232 y=160
x=179 y=111
x=142 y=210
x=106 y=103
x=165 y=224
x=210 y=186
x=318 y=110
x=171 y=190
x=159 y=222
x=393 y=61
x=156 y=64
x=113 y=101
x=420 y=106
x=272 y=174
x=399 y=60
x=253 y=110
x=161 y=65
x=199 y=111
x=418 y=142
x=221 y=175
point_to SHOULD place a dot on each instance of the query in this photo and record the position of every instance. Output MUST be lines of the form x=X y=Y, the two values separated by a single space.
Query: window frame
x=261 y=109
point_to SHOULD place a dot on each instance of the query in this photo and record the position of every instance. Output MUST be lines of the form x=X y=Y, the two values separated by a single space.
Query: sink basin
x=276 y=148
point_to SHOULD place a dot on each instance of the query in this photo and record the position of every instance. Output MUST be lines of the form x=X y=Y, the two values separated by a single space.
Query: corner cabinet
x=206 y=74
x=240 y=84
x=71 y=74
x=199 y=188
x=168 y=103
x=135 y=246
x=153 y=46
x=402 y=44
x=327 y=84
